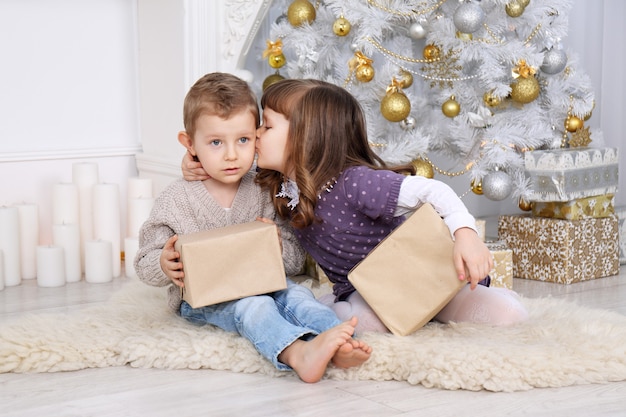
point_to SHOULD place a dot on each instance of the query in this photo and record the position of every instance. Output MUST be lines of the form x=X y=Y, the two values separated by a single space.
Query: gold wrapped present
x=312 y=269
x=580 y=208
x=502 y=272
x=571 y=173
x=561 y=251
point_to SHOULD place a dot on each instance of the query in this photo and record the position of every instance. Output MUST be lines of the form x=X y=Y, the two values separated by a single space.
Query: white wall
x=68 y=93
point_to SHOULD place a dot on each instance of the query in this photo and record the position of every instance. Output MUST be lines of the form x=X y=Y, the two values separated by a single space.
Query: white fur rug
x=562 y=344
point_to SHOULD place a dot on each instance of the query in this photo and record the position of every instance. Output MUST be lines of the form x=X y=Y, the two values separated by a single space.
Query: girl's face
x=271 y=145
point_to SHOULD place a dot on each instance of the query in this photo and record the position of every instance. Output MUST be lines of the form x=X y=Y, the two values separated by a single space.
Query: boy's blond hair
x=218 y=94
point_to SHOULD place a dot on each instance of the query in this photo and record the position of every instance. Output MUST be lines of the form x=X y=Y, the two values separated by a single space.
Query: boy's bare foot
x=309 y=359
x=352 y=353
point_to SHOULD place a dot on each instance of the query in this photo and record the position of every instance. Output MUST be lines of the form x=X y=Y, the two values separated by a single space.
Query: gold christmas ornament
x=276 y=60
x=525 y=90
x=525 y=205
x=300 y=12
x=423 y=168
x=406 y=79
x=361 y=66
x=491 y=100
x=451 y=107
x=514 y=9
x=364 y=73
x=477 y=187
x=271 y=79
x=395 y=106
x=573 y=123
x=524 y=3
x=431 y=52
x=341 y=27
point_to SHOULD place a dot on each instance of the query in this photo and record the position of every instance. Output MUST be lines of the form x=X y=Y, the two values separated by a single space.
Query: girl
x=343 y=200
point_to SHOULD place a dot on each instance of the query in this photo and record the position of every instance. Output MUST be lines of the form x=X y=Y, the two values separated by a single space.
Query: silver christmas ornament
x=468 y=17
x=417 y=31
x=497 y=185
x=354 y=46
x=554 y=61
x=408 y=124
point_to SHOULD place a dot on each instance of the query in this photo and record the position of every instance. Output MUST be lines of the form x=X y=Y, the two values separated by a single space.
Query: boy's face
x=272 y=142
x=224 y=147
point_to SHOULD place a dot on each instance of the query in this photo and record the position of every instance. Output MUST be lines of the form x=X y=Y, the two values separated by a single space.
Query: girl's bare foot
x=352 y=353
x=310 y=358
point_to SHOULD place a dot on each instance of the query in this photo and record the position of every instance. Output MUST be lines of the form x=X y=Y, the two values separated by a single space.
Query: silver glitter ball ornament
x=468 y=17
x=417 y=31
x=408 y=124
x=554 y=61
x=497 y=185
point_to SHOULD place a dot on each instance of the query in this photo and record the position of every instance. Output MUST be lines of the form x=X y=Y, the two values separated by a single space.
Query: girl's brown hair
x=327 y=134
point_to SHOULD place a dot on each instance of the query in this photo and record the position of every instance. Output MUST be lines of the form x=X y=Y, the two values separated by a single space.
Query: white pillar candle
x=67 y=236
x=29 y=239
x=138 y=212
x=85 y=176
x=50 y=266
x=131 y=246
x=139 y=188
x=98 y=265
x=1 y=270
x=10 y=245
x=65 y=203
x=106 y=220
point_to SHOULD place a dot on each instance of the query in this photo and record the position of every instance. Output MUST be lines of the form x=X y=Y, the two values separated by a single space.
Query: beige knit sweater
x=187 y=207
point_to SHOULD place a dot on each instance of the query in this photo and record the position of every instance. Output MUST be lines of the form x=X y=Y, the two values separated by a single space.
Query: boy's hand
x=170 y=262
x=472 y=258
x=192 y=169
x=268 y=221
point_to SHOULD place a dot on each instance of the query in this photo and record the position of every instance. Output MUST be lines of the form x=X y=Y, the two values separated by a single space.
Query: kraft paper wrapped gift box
x=561 y=251
x=580 y=208
x=502 y=273
x=230 y=263
x=410 y=276
x=571 y=173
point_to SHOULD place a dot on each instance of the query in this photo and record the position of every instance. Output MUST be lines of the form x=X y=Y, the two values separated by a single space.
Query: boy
x=289 y=327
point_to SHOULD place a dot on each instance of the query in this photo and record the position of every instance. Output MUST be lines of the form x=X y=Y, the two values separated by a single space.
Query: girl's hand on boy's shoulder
x=170 y=262
x=192 y=169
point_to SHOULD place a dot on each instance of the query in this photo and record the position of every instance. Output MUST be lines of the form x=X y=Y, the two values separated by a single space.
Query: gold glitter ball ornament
x=300 y=12
x=341 y=27
x=573 y=123
x=451 y=107
x=271 y=79
x=364 y=73
x=423 y=168
x=491 y=100
x=395 y=106
x=524 y=90
x=477 y=187
x=406 y=79
x=276 y=60
x=431 y=52
x=525 y=205
x=514 y=9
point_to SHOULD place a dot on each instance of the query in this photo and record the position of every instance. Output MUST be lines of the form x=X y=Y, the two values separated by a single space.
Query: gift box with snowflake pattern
x=621 y=218
x=580 y=208
x=502 y=272
x=561 y=251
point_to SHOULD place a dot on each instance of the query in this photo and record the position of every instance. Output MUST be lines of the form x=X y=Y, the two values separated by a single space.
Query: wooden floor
x=124 y=391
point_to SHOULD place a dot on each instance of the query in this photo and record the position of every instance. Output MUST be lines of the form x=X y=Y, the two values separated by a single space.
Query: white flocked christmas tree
x=458 y=87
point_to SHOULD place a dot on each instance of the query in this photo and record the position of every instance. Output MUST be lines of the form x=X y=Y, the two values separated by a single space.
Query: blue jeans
x=271 y=322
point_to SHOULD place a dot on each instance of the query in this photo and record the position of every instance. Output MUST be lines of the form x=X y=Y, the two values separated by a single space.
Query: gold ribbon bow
x=273 y=48
x=523 y=70
x=359 y=59
x=396 y=85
